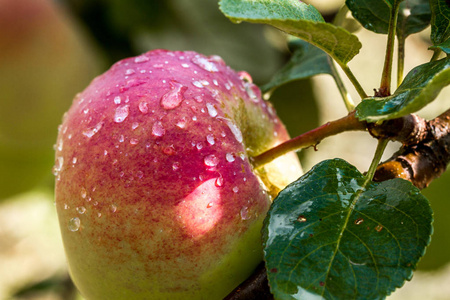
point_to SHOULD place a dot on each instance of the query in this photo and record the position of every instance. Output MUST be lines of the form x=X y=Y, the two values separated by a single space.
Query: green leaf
x=331 y=235
x=414 y=15
x=420 y=87
x=372 y=14
x=298 y=19
x=306 y=61
x=440 y=21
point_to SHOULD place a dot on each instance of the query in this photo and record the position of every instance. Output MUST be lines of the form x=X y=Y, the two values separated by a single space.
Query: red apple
x=155 y=193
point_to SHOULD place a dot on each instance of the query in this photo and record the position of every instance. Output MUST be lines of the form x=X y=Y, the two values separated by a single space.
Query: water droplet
x=210 y=139
x=143 y=107
x=135 y=125
x=175 y=166
x=117 y=100
x=81 y=210
x=252 y=91
x=92 y=131
x=74 y=160
x=205 y=63
x=219 y=181
x=199 y=145
x=169 y=150
x=59 y=145
x=301 y=218
x=197 y=84
x=121 y=138
x=230 y=157
x=174 y=97
x=83 y=193
x=58 y=165
x=211 y=110
x=215 y=82
x=139 y=174
x=209 y=205
x=235 y=189
x=244 y=76
x=66 y=206
x=74 y=224
x=130 y=72
x=211 y=160
x=185 y=66
x=158 y=129
x=244 y=213
x=235 y=130
x=113 y=208
x=141 y=59
x=359 y=221
x=134 y=141
x=121 y=113
x=378 y=228
x=182 y=122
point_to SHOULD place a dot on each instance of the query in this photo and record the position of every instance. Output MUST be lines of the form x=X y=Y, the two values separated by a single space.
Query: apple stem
x=310 y=138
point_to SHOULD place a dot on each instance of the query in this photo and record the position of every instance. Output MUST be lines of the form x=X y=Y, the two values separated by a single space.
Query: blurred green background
x=50 y=50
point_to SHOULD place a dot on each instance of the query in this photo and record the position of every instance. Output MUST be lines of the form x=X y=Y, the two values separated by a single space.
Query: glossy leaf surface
x=332 y=235
x=298 y=19
x=420 y=87
x=306 y=61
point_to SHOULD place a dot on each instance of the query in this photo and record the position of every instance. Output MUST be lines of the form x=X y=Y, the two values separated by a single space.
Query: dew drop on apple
x=121 y=113
x=58 y=165
x=244 y=76
x=141 y=59
x=74 y=224
x=230 y=157
x=244 y=213
x=134 y=126
x=83 y=193
x=112 y=208
x=158 y=129
x=181 y=123
x=143 y=107
x=199 y=146
x=130 y=72
x=205 y=64
x=174 y=97
x=219 y=181
x=197 y=84
x=211 y=160
x=90 y=132
x=117 y=100
x=235 y=130
x=210 y=139
x=211 y=110
x=175 y=166
x=134 y=141
x=235 y=189
x=81 y=210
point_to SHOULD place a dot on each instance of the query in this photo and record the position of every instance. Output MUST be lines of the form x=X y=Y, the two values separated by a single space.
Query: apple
x=44 y=60
x=155 y=192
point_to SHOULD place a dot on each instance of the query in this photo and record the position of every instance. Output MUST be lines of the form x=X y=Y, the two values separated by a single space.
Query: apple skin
x=155 y=193
x=44 y=60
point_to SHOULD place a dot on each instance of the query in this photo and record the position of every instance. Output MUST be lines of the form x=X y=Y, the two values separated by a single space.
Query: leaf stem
x=436 y=54
x=400 y=59
x=376 y=159
x=385 y=86
x=310 y=138
x=349 y=104
x=354 y=81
